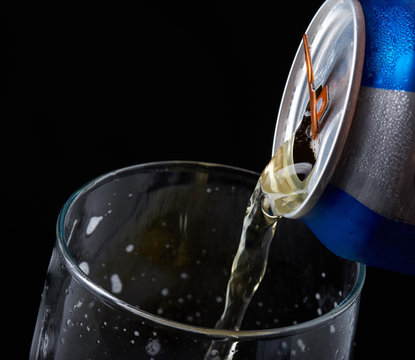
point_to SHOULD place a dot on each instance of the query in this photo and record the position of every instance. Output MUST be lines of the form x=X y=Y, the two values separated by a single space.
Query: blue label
x=353 y=231
x=390 y=44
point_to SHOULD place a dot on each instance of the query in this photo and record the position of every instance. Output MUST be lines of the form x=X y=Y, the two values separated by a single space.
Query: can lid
x=336 y=38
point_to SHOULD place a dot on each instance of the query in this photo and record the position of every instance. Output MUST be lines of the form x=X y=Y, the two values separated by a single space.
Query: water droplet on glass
x=184 y=275
x=84 y=266
x=93 y=223
x=153 y=347
x=116 y=285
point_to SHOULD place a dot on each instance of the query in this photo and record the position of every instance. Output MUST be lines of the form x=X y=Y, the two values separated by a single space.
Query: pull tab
x=318 y=104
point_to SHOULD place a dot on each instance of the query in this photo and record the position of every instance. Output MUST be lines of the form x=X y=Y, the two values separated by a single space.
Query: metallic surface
x=378 y=165
x=367 y=211
x=336 y=38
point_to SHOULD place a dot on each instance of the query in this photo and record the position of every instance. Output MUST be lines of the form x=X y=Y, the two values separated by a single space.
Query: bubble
x=208 y=190
x=332 y=329
x=323 y=275
x=93 y=223
x=318 y=296
x=130 y=195
x=219 y=299
x=129 y=248
x=153 y=347
x=136 y=333
x=116 y=285
x=319 y=311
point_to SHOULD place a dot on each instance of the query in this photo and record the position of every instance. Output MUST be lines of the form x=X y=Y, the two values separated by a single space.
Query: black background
x=89 y=90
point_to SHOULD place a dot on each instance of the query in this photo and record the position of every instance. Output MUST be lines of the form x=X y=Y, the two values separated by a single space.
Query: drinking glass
x=141 y=264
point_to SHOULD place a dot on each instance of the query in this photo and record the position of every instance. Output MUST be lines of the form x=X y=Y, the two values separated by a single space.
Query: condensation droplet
x=214 y=352
x=116 y=285
x=129 y=248
x=184 y=275
x=153 y=347
x=93 y=223
x=84 y=266
x=301 y=345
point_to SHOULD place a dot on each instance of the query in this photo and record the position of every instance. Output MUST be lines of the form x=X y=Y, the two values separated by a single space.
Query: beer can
x=361 y=192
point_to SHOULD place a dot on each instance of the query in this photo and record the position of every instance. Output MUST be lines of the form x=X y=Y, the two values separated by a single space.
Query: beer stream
x=278 y=191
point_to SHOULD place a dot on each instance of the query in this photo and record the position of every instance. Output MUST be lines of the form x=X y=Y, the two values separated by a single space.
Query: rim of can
x=336 y=36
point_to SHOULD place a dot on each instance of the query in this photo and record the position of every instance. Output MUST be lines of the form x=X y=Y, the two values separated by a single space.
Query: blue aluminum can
x=367 y=210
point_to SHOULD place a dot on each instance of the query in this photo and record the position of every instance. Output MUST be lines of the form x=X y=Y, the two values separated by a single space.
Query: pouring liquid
x=278 y=191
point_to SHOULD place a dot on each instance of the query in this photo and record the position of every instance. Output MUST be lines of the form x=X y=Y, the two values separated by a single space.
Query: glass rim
x=109 y=298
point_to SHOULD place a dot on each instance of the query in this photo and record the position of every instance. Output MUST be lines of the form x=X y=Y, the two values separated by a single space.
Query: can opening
x=304 y=149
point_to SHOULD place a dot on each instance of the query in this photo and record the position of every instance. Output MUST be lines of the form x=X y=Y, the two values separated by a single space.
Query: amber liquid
x=278 y=191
